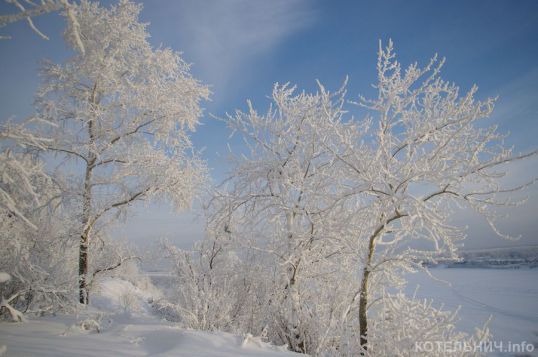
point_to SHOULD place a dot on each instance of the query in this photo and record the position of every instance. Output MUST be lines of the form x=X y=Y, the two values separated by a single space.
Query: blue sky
x=241 y=47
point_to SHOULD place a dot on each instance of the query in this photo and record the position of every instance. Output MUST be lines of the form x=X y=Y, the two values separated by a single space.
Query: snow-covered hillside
x=120 y=323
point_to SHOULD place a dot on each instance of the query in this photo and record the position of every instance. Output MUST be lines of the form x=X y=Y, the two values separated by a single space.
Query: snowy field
x=509 y=295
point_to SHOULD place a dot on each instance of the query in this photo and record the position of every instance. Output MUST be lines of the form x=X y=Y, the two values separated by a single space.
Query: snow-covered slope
x=62 y=336
x=120 y=324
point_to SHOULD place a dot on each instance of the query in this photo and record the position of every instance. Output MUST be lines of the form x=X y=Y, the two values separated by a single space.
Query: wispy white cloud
x=223 y=36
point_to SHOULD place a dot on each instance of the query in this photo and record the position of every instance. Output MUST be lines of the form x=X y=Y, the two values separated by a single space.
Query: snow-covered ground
x=127 y=326
x=109 y=328
x=510 y=296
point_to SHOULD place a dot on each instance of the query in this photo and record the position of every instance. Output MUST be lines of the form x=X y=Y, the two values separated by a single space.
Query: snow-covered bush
x=40 y=262
x=35 y=238
x=42 y=258
x=403 y=326
x=205 y=280
x=43 y=262
x=90 y=326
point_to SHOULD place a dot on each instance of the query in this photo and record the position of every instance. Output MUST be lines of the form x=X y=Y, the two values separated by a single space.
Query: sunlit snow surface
x=122 y=333
x=509 y=295
x=126 y=337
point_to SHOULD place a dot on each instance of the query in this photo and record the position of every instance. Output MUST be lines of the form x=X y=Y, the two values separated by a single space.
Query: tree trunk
x=296 y=340
x=86 y=215
x=83 y=270
x=84 y=239
x=363 y=302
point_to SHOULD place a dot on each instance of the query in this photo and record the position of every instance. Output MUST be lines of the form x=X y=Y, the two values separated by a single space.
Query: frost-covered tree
x=24 y=183
x=335 y=204
x=27 y=10
x=20 y=168
x=120 y=113
x=277 y=206
x=423 y=153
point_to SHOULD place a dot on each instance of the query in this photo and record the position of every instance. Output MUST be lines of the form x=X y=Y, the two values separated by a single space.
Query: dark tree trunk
x=83 y=260
x=363 y=302
x=363 y=305
x=83 y=270
x=84 y=239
